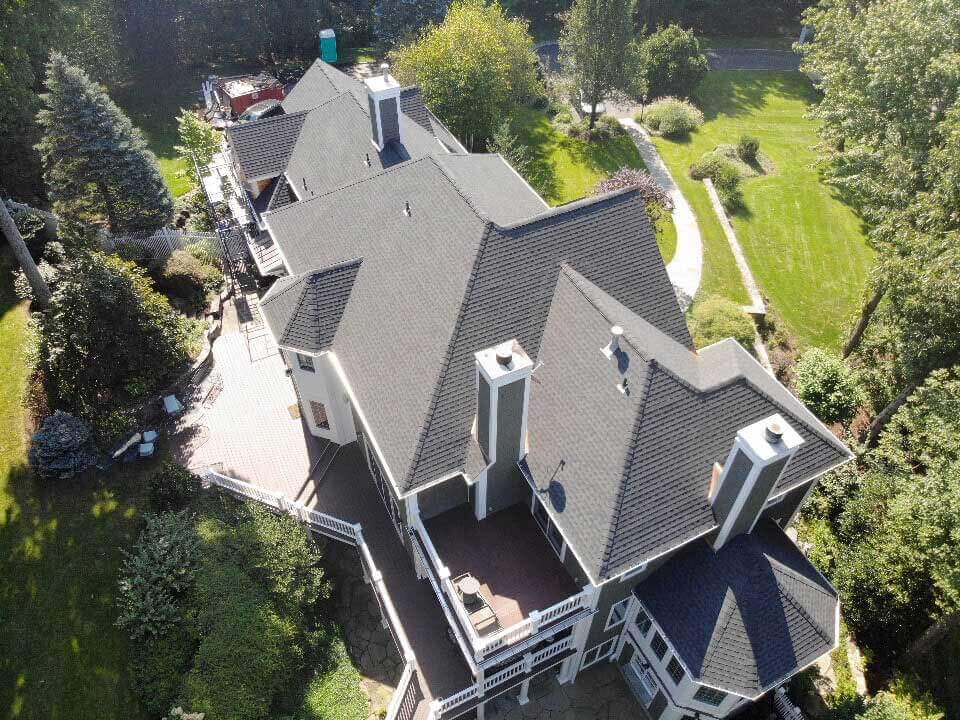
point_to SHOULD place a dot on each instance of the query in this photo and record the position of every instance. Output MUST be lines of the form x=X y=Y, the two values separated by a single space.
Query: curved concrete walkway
x=686 y=267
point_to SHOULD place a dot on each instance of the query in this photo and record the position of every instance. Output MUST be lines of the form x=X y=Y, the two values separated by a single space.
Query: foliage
x=157 y=666
x=336 y=695
x=747 y=148
x=21 y=284
x=96 y=162
x=606 y=127
x=893 y=706
x=471 y=68
x=62 y=448
x=189 y=279
x=398 y=21
x=506 y=143
x=827 y=385
x=711 y=164
x=156 y=574
x=32 y=227
x=671 y=62
x=108 y=336
x=627 y=177
x=198 y=139
x=672 y=117
x=596 y=49
x=715 y=318
x=173 y=486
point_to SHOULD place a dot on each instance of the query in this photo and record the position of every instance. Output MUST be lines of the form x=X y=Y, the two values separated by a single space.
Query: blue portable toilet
x=328 y=46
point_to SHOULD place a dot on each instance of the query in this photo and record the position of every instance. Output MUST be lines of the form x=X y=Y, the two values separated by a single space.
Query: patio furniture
x=146 y=450
x=482 y=616
x=172 y=405
x=469 y=588
x=150 y=436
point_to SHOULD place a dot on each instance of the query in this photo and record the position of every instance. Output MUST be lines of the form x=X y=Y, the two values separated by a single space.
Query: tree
x=596 y=48
x=198 y=140
x=508 y=145
x=95 y=160
x=825 y=384
x=108 y=336
x=41 y=293
x=472 y=68
x=672 y=62
x=397 y=21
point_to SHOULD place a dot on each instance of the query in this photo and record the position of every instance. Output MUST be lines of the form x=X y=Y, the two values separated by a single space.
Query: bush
x=173 y=486
x=827 y=386
x=606 y=127
x=189 y=279
x=747 y=148
x=672 y=117
x=709 y=165
x=715 y=318
x=627 y=177
x=672 y=62
x=157 y=667
x=726 y=181
x=156 y=574
x=62 y=448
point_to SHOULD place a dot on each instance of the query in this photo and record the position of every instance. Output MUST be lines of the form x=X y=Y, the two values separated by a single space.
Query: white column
x=524 y=692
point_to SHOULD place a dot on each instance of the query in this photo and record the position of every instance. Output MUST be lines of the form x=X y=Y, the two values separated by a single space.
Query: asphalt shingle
x=262 y=148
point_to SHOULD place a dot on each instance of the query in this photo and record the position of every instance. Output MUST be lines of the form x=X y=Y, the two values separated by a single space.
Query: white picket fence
x=163 y=243
x=407 y=695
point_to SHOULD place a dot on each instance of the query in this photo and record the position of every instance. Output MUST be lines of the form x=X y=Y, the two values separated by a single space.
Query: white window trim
x=611 y=622
x=600 y=654
x=306 y=363
x=633 y=573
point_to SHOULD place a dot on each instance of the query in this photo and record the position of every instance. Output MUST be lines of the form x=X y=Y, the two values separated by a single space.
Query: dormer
x=383 y=94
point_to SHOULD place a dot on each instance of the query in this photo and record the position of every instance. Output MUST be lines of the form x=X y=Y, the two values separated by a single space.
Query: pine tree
x=96 y=162
x=41 y=292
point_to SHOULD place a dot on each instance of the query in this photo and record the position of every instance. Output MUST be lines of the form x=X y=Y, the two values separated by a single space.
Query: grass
x=571 y=168
x=807 y=250
x=59 y=548
x=357 y=55
x=336 y=695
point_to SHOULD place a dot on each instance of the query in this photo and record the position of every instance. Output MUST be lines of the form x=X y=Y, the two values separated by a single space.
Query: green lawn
x=572 y=168
x=806 y=248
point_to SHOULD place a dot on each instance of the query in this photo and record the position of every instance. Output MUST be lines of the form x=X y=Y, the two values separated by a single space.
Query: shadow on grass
x=741 y=92
x=60 y=544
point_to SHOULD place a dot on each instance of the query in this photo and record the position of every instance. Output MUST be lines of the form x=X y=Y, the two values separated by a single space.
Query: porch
x=516 y=568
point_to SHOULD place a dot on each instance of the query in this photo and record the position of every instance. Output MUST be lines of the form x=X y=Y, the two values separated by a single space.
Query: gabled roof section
x=263 y=147
x=320 y=83
x=745 y=618
x=304 y=311
x=629 y=471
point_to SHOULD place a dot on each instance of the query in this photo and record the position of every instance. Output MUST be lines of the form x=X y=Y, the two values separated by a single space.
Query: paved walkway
x=752 y=59
x=686 y=267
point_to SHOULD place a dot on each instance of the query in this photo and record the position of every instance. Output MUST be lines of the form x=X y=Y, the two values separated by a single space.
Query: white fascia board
x=283 y=258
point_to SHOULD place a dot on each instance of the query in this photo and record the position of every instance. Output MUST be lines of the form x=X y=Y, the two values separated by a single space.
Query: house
x=573 y=479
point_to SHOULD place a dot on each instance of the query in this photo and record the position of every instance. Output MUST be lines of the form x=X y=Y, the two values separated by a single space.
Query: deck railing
x=482 y=648
x=477 y=691
x=407 y=695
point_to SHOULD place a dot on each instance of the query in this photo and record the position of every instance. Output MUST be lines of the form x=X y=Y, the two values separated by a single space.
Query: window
x=633 y=573
x=618 y=613
x=675 y=671
x=319 y=415
x=598 y=653
x=548 y=526
x=642 y=622
x=305 y=362
x=709 y=696
x=658 y=646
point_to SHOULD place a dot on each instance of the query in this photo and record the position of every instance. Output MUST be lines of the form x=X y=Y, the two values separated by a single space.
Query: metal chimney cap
x=504 y=355
x=616 y=331
x=774 y=431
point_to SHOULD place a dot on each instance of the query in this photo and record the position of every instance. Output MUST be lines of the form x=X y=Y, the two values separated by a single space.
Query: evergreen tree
x=41 y=292
x=596 y=46
x=96 y=162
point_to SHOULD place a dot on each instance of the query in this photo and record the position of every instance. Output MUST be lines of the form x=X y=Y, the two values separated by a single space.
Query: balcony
x=524 y=594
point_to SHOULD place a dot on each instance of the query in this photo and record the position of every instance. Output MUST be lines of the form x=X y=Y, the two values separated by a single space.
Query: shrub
x=63 y=447
x=827 y=386
x=173 y=486
x=672 y=117
x=189 y=279
x=21 y=285
x=726 y=181
x=715 y=318
x=154 y=576
x=672 y=62
x=605 y=128
x=627 y=177
x=747 y=148
x=157 y=667
x=709 y=165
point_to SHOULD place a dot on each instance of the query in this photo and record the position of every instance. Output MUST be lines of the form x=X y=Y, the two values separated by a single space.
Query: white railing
x=481 y=647
x=522 y=667
x=407 y=695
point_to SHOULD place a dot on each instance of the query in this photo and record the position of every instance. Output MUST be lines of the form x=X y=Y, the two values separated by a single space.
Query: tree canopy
x=471 y=68
x=671 y=62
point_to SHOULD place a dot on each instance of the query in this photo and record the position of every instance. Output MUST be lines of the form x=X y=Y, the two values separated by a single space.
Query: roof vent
x=616 y=332
x=774 y=432
x=406 y=208
x=367 y=160
x=622 y=386
x=504 y=355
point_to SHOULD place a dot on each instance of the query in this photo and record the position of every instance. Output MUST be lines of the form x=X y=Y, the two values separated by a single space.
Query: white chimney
x=383 y=95
x=756 y=461
x=616 y=332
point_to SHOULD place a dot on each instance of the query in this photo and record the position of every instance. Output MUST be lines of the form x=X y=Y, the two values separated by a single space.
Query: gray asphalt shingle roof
x=262 y=148
x=745 y=618
x=626 y=475
x=320 y=83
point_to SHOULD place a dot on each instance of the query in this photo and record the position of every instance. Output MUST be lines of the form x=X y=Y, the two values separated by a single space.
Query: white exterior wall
x=323 y=386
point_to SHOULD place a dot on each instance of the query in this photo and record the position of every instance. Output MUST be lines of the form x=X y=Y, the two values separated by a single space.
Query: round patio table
x=469 y=589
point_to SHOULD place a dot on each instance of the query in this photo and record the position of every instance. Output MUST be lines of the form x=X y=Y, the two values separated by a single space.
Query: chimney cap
x=385 y=70
x=774 y=431
x=504 y=354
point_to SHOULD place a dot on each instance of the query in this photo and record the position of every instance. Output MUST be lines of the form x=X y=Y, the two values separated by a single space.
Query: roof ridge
x=570 y=207
x=262 y=122
x=798 y=606
x=296 y=280
x=731 y=606
x=456 y=186
x=448 y=354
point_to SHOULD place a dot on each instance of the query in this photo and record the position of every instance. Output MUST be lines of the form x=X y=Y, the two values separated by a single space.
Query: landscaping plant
x=715 y=318
x=827 y=385
x=747 y=148
x=671 y=62
x=671 y=117
x=62 y=448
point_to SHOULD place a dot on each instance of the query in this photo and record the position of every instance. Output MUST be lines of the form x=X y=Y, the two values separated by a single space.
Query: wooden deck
x=507 y=552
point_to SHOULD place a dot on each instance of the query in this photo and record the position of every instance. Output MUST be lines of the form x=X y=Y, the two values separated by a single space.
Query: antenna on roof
x=304 y=183
x=367 y=161
x=406 y=208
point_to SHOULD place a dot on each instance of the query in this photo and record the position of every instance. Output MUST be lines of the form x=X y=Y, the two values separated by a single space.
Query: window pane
x=305 y=362
x=709 y=696
x=319 y=415
x=658 y=646
x=675 y=671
